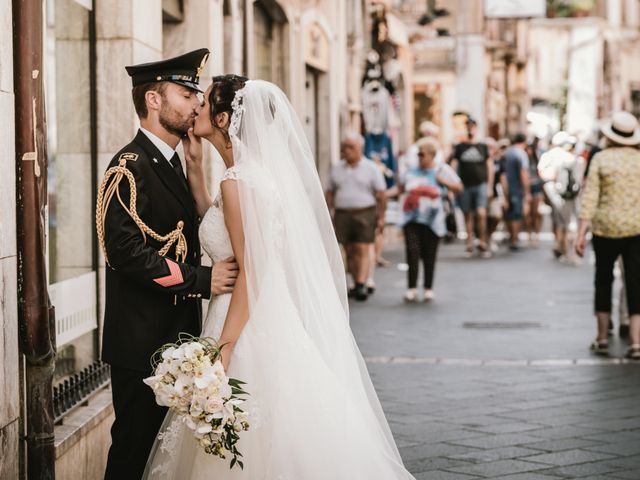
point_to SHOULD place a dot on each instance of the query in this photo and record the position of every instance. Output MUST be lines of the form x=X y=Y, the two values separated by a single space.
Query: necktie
x=177 y=167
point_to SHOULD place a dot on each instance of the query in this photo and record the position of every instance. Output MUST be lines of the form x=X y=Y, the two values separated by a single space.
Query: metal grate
x=501 y=325
x=74 y=391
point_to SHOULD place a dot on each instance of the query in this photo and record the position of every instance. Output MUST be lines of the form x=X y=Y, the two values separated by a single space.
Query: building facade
x=590 y=72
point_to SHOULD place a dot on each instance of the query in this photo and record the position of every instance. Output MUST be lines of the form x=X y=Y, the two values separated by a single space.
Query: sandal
x=484 y=251
x=383 y=263
x=601 y=347
x=634 y=352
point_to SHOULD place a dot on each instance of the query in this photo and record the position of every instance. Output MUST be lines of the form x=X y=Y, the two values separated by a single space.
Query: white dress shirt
x=160 y=144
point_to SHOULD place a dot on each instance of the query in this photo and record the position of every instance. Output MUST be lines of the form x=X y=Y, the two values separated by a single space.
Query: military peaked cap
x=183 y=70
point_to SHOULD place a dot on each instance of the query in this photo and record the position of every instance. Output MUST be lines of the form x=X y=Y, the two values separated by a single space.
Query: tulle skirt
x=306 y=424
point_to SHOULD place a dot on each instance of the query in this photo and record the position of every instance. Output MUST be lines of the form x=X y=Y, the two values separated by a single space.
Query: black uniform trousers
x=137 y=423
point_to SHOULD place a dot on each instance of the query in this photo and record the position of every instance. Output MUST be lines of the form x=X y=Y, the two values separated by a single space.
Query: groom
x=151 y=298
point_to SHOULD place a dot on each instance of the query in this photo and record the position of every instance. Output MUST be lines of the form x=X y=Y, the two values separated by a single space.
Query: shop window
x=71 y=182
x=635 y=102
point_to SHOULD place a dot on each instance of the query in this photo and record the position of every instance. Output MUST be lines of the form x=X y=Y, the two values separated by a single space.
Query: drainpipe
x=35 y=313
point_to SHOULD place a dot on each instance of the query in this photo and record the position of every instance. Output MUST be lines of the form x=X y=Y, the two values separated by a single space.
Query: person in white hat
x=610 y=210
x=561 y=171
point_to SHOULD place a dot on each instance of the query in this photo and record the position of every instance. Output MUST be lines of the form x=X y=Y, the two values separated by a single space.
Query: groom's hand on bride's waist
x=223 y=276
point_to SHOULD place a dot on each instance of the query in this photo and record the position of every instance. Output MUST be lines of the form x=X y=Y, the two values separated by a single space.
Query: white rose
x=213 y=405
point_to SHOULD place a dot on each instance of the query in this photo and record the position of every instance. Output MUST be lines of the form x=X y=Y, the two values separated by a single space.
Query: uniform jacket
x=150 y=299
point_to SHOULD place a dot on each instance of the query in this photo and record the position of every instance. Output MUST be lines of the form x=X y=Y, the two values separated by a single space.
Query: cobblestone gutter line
x=551 y=362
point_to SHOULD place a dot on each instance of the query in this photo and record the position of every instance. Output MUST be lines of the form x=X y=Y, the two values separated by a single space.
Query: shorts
x=356 y=226
x=516 y=208
x=536 y=188
x=473 y=198
x=563 y=212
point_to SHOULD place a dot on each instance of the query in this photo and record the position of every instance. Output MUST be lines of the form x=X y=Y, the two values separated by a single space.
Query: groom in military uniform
x=148 y=227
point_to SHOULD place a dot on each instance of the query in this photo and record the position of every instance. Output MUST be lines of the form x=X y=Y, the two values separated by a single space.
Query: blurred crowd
x=495 y=194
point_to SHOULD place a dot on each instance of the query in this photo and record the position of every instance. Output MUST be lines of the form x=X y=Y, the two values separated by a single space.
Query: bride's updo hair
x=223 y=91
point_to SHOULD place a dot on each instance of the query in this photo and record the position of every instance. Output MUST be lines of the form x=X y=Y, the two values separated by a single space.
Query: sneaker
x=634 y=352
x=429 y=295
x=534 y=241
x=411 y=295
x=360 y=293
x=371 y=286
x=600 y=347
x=468 y=252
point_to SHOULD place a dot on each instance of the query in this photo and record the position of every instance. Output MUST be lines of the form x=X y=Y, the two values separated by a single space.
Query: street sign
x=515 y=8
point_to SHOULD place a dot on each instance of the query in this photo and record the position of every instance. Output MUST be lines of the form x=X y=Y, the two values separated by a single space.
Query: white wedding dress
x=312 y=410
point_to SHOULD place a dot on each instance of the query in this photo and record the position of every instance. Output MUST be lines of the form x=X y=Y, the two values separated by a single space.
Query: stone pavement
x=494 y=379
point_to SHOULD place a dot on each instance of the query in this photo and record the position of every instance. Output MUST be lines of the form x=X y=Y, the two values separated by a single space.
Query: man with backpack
x=560 y=169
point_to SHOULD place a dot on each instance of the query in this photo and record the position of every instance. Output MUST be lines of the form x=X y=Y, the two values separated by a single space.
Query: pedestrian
x=423 y=215
x=495 y=213
x=610 y=210
x=356 y=199
x=409 y=160
x=515 y=183
x=560 y=170
x=474 y=165
x=533 y=221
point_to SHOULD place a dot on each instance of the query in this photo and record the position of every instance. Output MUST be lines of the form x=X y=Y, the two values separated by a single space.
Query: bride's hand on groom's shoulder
x=223 y=276
x=192 y=145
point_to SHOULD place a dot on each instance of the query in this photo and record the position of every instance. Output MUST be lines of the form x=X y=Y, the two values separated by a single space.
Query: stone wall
x=9 y=367
x=83 y=441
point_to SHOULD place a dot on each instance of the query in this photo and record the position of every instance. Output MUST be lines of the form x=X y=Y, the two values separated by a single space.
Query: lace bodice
x=213 y=233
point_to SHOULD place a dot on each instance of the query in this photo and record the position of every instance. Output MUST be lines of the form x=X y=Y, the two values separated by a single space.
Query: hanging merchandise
x=379 y=148
x=392 y=70
x=375 y=107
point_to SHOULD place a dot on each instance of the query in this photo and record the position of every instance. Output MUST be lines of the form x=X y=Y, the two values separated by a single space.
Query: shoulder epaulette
x=129 y=157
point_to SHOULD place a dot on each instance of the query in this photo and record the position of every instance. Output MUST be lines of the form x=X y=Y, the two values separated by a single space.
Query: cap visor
x=191 y=85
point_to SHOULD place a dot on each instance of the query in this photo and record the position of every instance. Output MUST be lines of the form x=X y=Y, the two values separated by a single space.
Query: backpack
x=572 y=187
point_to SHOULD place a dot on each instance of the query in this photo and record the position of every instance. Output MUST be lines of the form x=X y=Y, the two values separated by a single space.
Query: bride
x=313 y=411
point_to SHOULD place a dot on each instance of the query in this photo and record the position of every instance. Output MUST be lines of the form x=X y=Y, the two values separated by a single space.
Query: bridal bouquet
x=189 y=379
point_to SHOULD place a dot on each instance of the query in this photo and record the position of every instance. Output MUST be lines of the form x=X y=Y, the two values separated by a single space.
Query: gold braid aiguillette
x=109 y=188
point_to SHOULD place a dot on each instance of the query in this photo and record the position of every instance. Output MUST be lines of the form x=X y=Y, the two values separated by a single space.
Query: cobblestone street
x=494 y=379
